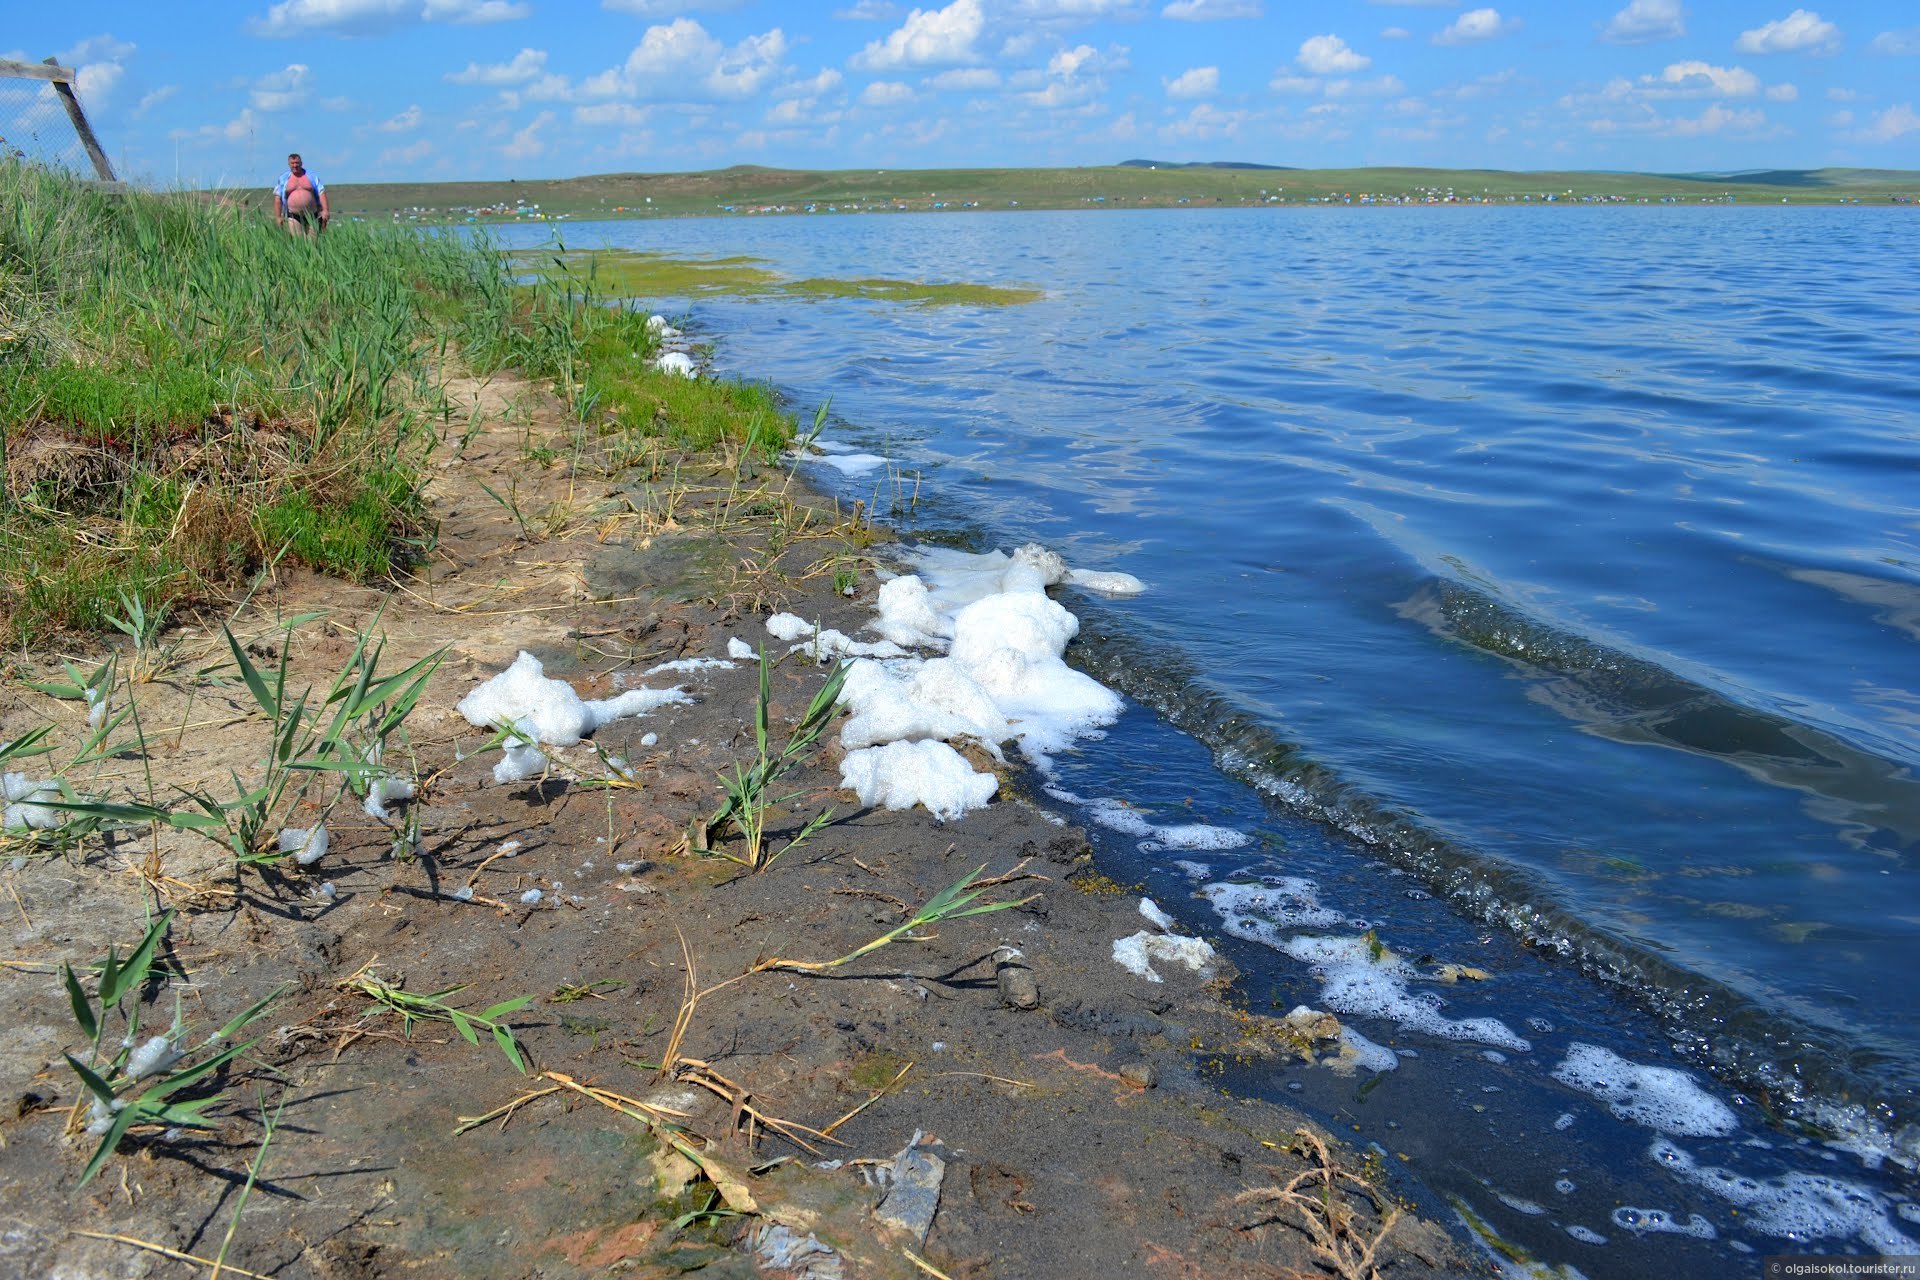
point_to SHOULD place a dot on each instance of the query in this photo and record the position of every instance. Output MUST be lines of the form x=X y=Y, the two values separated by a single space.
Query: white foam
x=852 y=464
x=739 y=649
x=1801 y=1207
x=1645 y=1222
x=1364 y=1053
x=1155 y=916
x=306 y=845
x=678 y=362
x=900 y=775
x=907 y=616
x=788 y=626
x=532 y=896
x=1002 y=676
x=24 y=807
x=548 y=710
x=1585 y=1235
x=1266 y=912
x=151 y=1058
x=1111 y=584
x=931 y=701
x=1354 y=981
x=382 y=792
x=659 y=328
x=519 y=761
x=1137 y=954
x=1658 y=1097
x=693 y=664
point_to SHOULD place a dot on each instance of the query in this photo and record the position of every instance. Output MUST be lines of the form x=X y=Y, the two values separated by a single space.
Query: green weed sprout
x=366 y=708
x=433 y=1007
x=951 y=903
x=121 y=1099
x=750 y=790
x=142 y=626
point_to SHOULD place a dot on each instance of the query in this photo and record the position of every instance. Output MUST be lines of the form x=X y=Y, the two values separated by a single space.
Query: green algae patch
x=645 y=275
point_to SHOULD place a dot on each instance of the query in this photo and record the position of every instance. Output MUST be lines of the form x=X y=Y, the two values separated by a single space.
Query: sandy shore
x=992 y=1096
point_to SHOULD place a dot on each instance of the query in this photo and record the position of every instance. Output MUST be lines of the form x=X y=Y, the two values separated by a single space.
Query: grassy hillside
x=750 y=189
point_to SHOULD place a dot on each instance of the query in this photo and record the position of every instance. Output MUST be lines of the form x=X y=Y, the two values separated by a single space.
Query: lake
x=1537 y=588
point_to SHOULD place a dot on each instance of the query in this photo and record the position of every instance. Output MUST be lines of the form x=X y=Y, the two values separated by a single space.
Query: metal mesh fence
x=35 y=128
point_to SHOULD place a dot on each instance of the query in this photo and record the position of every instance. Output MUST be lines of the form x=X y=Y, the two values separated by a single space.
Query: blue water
x=1563 y=563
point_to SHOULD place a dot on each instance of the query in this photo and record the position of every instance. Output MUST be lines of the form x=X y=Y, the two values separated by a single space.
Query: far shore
x=750 y=191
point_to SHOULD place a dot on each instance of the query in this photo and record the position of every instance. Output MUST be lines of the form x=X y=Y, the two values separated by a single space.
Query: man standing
x=300 y=199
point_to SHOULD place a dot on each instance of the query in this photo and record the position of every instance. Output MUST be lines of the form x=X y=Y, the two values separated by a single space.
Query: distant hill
x=1812 y=178
x=1199 y=164
x=1136 y=184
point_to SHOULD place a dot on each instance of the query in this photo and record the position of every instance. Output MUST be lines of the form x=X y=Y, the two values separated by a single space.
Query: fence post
x=63 y=85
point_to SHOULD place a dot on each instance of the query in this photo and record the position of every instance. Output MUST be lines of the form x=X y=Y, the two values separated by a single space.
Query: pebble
x=1141 y=1075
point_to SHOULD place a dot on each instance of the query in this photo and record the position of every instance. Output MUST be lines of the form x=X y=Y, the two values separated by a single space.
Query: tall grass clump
x=186 y=391
x=551 y=315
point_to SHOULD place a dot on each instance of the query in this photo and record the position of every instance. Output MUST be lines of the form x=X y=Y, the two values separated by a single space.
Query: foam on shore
x=548 y=711
x=989 y=669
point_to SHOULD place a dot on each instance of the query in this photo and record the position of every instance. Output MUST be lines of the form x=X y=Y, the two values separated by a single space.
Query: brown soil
x=1078 y=1137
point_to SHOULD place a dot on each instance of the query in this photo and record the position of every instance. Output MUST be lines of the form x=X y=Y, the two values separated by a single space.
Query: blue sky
x=374 y=90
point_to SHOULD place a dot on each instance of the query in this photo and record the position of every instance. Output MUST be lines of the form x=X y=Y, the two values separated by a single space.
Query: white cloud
x=1285 y=81
x=680 y=56
x=620 y=113
x=1330 y=56
x=527 y=143
x=1894 y=122
x=1840 y=119
x=1205 y=121
x=929 y=37
x=1075 y=10
x=1194 y=82
x=474 y=13
x=661 y=8
x=886 y=93
x=1487 y=86
x=970 y=79
x=1644 y=21
x=1716 y=119
x=405 y=122
x=155 y=98
x=238 y=129
x=1395 y=33
x=869 y=11
x=1378 y=87
x=283 y=90
x=98 y=63
x=1843 y=95
x=1211 y=10
x=1802 y=31
x=101 y=48
x=1475 y=25
x=1695 y=79
x=1782 y=93
x=1899 y=43
x=409 y=155
x=826 y=81
x=369 y=17
x=1068 y=62
x=342 y=17
x=526 y=65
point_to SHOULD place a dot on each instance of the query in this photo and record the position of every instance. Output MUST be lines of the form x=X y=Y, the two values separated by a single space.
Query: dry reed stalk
x=1317 y=1196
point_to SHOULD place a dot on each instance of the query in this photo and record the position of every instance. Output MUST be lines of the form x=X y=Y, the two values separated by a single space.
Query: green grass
x=634 y=275
x=188 y=393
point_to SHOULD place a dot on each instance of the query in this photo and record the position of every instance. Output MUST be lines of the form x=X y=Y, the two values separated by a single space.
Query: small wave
x=1806 y=1072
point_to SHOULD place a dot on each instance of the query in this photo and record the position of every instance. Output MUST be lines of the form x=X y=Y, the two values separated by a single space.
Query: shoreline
x=1040 y=1114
